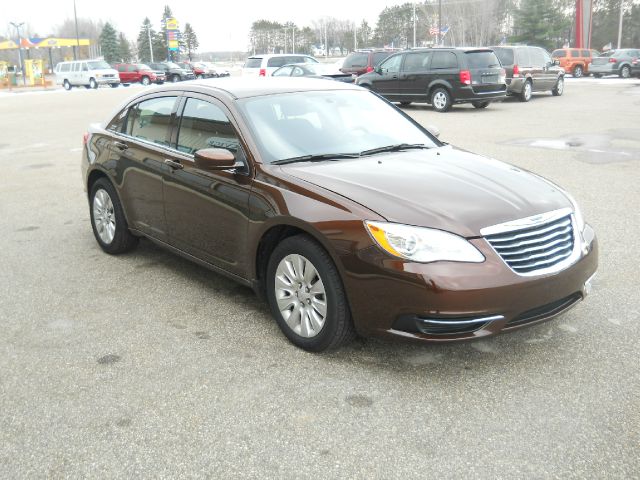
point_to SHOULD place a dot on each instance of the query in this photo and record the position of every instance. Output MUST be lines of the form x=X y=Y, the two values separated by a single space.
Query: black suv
x=530 y=69
x=364 y=61
x=172 y=71
x=439 y=76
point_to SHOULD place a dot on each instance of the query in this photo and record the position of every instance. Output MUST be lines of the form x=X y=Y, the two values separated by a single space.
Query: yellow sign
x=33 y=71
x=173 y=43
x=171 y=23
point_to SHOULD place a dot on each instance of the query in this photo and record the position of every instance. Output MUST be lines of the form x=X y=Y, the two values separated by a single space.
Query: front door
x=207 y=211
x=385 y=81
x=414 y=76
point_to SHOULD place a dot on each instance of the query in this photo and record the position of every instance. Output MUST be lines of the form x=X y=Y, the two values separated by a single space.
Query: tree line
x=546 y=23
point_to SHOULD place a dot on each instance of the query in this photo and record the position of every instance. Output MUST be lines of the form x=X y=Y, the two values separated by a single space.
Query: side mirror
x=214 y=159
x=556 y=62
x=433 y=130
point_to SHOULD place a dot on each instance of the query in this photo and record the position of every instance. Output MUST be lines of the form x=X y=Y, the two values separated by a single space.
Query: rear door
x=142 y=152
x=252 y=66
x=486 y=71
x=207 y=211
x=539 y=70
x=414 y=77
x=444 y=66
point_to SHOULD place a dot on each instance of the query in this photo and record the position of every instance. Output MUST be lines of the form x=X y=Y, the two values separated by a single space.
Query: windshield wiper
x=315 y=158
x=394 y=148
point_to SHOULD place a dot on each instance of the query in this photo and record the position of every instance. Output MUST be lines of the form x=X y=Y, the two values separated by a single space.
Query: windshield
x=99 y=65
x=316 y=123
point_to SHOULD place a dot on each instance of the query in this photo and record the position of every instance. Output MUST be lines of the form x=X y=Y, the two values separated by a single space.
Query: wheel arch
x=439 y=84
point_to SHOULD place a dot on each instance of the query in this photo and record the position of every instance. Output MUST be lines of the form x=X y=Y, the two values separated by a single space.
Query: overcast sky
x=219 y=24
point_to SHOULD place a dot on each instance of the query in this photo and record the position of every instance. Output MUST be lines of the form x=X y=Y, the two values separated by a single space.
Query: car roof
x=270 y=55
x=236 y=88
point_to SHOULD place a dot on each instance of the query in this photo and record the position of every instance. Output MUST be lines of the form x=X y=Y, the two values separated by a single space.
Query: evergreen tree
x=542 y=23
x=144 y=51
x=190 y=40
x=109 y=44
x=124 y=49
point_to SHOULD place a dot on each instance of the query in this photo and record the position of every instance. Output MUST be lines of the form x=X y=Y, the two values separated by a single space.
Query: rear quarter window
x=253 y=63
x=575 y=53
x=443 y=60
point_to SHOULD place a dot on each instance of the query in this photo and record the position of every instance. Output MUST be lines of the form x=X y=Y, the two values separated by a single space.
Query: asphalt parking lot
x=145 y=365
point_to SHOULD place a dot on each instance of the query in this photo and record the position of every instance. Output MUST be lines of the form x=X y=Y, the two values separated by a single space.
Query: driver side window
x=392 y=64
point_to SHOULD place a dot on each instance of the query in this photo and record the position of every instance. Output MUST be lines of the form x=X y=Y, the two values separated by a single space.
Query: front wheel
x=175 y=78
x=597 y=75
x=306 y=295
x=145 y=81
x=441 y=100
x=114 y=85
x=559 y=88
x=107 y=219
x=480 y=104
x=625 y=72
x=199 y=76
x=578 y=71
x=66 y=85
x=93 y=84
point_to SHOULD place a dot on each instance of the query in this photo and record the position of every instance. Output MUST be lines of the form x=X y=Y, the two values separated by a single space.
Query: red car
x=138 y=72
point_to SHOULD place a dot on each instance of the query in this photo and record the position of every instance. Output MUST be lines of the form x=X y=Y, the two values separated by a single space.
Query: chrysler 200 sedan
x=346 y=214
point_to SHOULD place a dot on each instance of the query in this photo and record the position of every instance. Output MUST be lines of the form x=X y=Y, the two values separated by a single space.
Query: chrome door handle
x=120 y=145
x=173 y=164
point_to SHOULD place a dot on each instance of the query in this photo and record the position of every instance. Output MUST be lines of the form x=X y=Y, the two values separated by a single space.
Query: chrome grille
x=531 y=249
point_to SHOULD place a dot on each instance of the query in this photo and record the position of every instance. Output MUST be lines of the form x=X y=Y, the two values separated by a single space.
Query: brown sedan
x=347 y=215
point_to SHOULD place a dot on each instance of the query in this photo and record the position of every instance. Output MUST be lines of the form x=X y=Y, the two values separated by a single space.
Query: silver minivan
x=265 y=65
x=86 y=73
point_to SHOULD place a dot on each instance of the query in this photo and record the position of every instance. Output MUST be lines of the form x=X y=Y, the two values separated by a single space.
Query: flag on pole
x=433 y=31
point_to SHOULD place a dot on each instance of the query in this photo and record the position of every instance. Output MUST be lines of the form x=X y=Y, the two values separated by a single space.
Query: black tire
x=441 y=100
x=578 y=71
x=527 y=90
x=559 y=88
x=625 y=72
x=337 y=329
x=123 y=241
x=597 y=75
x=405 y=104
x=480 y=104
x=145 y=80
x=114 y=85
x=160 y=82
x=92 y=83
x=66 y=85
x=199 y=76
x=175 y=78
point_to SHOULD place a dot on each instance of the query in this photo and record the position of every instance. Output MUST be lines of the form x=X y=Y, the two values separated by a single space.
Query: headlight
x=422 y=244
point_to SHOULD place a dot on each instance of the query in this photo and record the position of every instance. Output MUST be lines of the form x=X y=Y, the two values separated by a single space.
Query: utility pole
x=17 y=27
x=76 y=51
x=414 y=24
x=326 y=41
x=439 y=21
x=293 y=39
x=620 y=23
x=149 y=36
x=355 y=36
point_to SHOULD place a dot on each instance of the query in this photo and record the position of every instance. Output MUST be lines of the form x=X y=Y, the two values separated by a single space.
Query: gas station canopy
x=49 y=42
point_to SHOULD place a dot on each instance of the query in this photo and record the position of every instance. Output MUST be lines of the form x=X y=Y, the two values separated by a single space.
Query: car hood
x=442 y=188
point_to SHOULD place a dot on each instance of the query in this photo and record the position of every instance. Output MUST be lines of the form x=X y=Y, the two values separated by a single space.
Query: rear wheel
x=175 y=78
x=525 y=95
x=441 y=100
x=145 y=81
x=93 y=83
x=578 y=71
x=559 y=88
x=597 y=75
x=306 y=295
x=114 y=85
x=199 y=76
x=66 y=85
x=405 y=104
x=107 y=219
x=625 y=72
x=480 y=104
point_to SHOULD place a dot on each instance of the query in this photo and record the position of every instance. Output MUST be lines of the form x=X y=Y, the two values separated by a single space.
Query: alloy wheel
x=625 y=72
x=104 y=216
x=440 y=100
x=527 y=91
x=301 y=296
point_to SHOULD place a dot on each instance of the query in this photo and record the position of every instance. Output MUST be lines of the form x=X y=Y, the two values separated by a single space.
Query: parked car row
x=624 y=62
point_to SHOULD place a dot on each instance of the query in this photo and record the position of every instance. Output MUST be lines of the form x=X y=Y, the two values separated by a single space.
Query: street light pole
x=76 y=51
x=414 y=24
x=17 y=27
x=149 y=36
x=620 y=23
x=439 y=21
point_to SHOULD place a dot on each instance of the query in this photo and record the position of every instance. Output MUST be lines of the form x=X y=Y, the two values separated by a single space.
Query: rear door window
x=253 y=62
x=584 y=53
x=524 y=59
x=575 y=53
x=356 y=60
x=65 y=67
x=205 y=125
x=150 y=120
x=482 y=60
x=444 y=60
x=278 y=61
x=391 y=64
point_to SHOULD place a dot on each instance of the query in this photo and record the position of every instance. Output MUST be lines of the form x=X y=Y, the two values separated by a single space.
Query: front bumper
x=107 y=80
x=449 y=301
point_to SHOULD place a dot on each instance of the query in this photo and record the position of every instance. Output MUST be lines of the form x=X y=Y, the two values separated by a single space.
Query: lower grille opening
x=442 y=326
x=545 y=311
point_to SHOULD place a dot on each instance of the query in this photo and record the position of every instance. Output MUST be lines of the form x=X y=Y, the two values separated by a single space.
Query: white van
x=265 y=65
x=88 y=73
